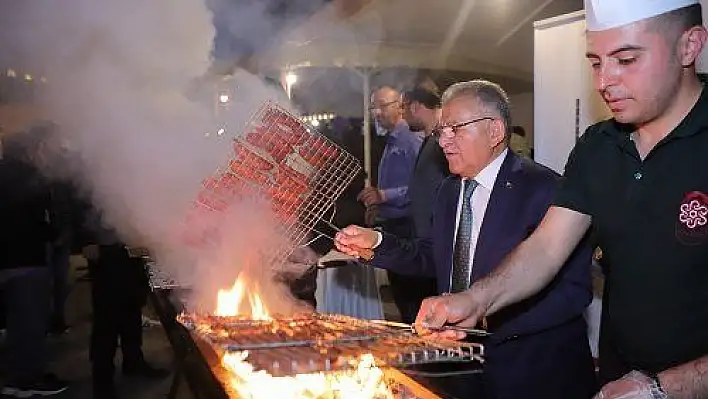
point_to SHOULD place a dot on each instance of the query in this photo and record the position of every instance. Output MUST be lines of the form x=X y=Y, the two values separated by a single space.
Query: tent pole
x=367 y=126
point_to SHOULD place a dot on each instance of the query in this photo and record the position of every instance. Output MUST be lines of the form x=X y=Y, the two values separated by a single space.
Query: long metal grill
x=298 y=171
x=319 y=342
x=200 y=359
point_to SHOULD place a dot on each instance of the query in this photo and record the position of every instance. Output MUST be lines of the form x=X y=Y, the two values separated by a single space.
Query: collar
x=487 y=176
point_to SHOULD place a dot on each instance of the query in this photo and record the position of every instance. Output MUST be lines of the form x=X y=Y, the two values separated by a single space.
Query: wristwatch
x=657 y=391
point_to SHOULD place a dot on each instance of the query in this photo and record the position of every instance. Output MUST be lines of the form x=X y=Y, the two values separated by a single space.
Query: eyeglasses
x=455 y=129
x=381 y=106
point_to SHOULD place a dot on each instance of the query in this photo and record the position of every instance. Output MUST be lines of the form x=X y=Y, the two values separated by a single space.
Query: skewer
x=365 y=254
x=471 y=331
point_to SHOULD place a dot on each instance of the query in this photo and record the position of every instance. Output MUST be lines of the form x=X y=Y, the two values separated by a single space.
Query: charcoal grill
x=305 y=343
x=310 y=343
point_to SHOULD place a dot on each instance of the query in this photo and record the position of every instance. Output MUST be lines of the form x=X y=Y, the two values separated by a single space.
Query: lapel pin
x=508 y=184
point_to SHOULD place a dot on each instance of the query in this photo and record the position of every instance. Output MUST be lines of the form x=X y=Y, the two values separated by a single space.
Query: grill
x=301 y=344
x=299 y=172
x=318 y=342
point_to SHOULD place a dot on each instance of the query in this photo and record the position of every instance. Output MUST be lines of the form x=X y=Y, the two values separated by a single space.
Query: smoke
x=128 y=86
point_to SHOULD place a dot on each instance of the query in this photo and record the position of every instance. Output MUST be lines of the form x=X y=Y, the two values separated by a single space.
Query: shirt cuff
x=379 y=239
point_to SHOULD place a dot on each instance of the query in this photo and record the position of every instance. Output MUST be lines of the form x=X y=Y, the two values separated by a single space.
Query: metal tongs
x=412 y=328
x=366 y=254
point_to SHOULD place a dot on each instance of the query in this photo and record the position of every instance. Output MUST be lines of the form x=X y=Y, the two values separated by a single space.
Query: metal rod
x=471 y=331
x=367 y=126
x=365 y=253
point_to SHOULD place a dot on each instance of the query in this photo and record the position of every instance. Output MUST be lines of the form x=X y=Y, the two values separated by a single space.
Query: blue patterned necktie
x=461 y=265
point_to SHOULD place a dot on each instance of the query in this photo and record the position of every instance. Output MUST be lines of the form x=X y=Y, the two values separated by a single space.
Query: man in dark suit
x=539 y=347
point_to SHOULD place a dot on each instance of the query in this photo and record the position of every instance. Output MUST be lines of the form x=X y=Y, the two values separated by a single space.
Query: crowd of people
x=44 y=222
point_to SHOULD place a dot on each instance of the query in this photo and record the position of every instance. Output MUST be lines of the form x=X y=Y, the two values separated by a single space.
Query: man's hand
x=463 y=309
x=352 y=240
x=371 y=196
x=634 y=385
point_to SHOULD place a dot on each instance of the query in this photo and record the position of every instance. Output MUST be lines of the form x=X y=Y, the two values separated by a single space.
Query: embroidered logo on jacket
x=692 y=226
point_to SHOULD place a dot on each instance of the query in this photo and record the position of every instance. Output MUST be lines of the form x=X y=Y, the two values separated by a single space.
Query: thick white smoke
x=128 y=86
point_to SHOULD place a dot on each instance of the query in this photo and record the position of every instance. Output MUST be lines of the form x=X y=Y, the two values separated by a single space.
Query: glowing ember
x=231 y=302
x=366 y=381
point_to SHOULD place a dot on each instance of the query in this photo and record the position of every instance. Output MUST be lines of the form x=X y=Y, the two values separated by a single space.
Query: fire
x=366 y=381
x=363 y=381
x=231 y=302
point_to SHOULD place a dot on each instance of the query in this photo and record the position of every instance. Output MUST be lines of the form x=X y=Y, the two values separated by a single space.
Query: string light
x=316 y=119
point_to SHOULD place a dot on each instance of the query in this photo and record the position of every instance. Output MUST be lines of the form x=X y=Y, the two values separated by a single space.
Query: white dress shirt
x=480 y=199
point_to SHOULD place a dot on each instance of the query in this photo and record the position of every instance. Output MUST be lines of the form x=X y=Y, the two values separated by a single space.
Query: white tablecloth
x=351 y=290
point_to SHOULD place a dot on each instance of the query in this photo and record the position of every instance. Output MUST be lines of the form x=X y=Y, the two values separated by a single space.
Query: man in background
x=25 y=234
x=421 y=110
x=390 y=196
x=519 y=143
x=118 y=293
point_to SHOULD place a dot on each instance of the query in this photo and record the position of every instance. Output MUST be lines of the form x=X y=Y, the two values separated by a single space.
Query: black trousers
x=119 y=291
x=28 y=299
x=408 y=291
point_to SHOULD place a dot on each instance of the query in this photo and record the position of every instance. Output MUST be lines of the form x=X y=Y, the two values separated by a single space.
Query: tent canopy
x=480 y=37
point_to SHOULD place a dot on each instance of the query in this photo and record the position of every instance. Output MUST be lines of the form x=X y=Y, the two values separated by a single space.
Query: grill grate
x=299 y=172
x=319 y=342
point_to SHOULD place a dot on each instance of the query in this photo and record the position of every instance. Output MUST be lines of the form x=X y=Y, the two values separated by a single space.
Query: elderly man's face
x=469 y=148
x=386 y=107
x=637 y=69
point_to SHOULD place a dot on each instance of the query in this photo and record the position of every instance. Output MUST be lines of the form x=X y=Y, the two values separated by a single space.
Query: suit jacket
x=539 y=347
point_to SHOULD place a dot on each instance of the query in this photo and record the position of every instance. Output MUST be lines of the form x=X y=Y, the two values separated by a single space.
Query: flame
x=366 y=381
x=231 y=302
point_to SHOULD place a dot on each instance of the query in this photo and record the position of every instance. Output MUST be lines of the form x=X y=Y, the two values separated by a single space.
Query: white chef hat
x=607 y=14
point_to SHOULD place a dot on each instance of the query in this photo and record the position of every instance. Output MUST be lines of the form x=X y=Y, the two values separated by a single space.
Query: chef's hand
x=634 y=385
x=371 y=196
x=462 y=309
x=352 y=240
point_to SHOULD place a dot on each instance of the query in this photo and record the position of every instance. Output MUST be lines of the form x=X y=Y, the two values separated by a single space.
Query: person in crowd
x=421 y=110
x=25 y=236
x=519 y=143
x=390 y=196
x=119 y=288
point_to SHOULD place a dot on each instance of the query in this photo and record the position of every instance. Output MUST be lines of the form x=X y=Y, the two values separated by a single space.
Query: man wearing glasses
x=539 y=347
x=390 y=199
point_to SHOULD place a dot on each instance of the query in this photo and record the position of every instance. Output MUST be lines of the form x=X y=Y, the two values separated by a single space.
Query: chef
x=640 y=180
